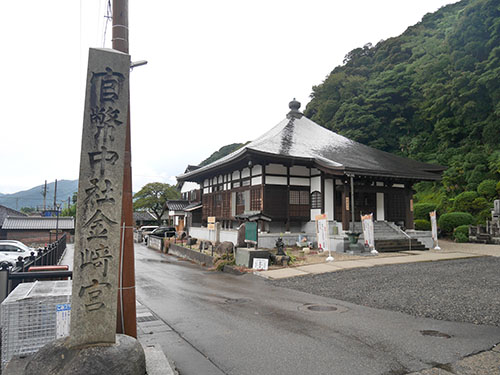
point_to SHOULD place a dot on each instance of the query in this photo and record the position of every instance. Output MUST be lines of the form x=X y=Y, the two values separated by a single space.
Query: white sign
x=434 y=229
x=368 y=232
x=322 y=231
x=63 y=317
x=260 y=264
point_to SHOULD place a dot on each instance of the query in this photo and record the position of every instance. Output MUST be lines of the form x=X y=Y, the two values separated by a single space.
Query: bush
x=483 y=216
x=479 y=204
x=487 y=189
x=448 y=222
x=463 y=201
x=422 y=224
x=421 y=210
x=498 y=188
x=461 y=233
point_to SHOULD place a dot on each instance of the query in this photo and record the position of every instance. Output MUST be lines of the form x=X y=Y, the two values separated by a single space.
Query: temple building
x=298 y=170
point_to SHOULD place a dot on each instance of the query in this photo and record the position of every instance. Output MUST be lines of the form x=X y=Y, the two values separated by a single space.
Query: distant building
x=4 y=212
x=37 y=229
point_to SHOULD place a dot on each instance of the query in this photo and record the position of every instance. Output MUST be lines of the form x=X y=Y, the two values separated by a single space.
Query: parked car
x=163 y=232
x=146 y=230
x=11 y=250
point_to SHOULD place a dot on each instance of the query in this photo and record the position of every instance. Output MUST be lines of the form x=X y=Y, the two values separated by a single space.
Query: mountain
x=223 y=151
x=432 y=94
x=34 y=198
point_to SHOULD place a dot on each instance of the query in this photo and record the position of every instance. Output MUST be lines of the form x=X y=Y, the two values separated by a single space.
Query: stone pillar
x=99 y=205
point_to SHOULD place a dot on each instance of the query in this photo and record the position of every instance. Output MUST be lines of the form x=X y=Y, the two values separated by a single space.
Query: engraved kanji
x=106 y=120
x=93 y=294
x=99 y=193
x=98 y=258
x=98 y=226
x=102 y=158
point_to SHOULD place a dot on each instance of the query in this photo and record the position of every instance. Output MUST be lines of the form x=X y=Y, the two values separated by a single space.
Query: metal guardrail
x=50 y=255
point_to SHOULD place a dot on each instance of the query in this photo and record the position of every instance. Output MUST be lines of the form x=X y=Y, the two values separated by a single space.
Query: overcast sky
x=219 y=72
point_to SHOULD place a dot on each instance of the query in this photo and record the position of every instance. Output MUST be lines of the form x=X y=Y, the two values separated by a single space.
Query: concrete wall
x=205 y=234
x=192 y=255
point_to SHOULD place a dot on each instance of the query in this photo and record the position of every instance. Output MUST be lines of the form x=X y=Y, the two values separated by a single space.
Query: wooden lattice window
x=255 y=200
x=299 y=203
x=316 y=200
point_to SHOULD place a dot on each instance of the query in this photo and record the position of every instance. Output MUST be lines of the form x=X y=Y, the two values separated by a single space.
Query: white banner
x=368 y=232
x=434 y=229
x=322 y=231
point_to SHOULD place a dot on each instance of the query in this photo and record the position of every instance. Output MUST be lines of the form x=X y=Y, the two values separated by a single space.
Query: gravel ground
x=466 y=290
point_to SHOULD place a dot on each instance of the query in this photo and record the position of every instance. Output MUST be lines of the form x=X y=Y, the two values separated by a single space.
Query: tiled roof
x=43 y=223
x=193 y=206
x=6 y=211
x=176 y=205
x=143 y=216
x=297 y=137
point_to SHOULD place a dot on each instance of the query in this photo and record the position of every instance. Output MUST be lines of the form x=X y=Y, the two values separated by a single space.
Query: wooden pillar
x=287 y=228
x=409 y=208
x=345 y=206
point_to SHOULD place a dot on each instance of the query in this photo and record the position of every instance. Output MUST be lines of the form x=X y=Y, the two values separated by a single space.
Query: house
x=176 y=214
x=144 y=218
x=4 y=212
x=38 y=229
x=298 y=170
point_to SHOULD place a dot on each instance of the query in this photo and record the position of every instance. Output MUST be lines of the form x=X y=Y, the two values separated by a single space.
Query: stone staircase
x=390 y=238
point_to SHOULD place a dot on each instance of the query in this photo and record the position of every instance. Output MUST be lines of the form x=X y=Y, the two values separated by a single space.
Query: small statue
x=280 y=245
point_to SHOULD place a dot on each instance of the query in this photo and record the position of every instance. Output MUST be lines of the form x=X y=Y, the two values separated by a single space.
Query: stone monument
x=98 y=230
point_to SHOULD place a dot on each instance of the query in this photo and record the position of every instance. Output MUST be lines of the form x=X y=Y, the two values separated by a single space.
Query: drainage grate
x=148 y=318
x=430 y=332
x=321 y=308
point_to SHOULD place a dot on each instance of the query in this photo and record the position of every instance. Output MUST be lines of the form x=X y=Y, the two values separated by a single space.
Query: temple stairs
x=390 y=238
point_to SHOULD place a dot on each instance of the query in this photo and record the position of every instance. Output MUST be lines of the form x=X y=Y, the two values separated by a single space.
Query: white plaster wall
x=299 y=170
x=316 y=184
x=328 y=196
x=221 y=179
x=236 y=175
x=275 y=169
x=206 y=190
x=398 y=185
x=205 y=234
x=380 y=207
x=245 y=172
x=256 y=180
x=257 y=169
x=314 y=171
x=275 y=180
x=299 y=181
x=316 y=211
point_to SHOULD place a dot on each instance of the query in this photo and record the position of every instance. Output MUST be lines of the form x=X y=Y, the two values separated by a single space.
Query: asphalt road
x=225 y=324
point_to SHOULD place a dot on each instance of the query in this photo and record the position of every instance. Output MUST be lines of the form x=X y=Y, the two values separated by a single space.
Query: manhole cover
x=321 y=308
x=430 y=332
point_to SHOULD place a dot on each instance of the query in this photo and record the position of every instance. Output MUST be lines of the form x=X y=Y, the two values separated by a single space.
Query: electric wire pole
x=126 y=322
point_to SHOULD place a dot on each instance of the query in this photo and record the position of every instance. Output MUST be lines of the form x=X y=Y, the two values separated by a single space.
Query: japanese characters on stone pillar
x=99 y=205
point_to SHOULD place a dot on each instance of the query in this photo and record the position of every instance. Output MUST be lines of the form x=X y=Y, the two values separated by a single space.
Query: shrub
x=487 y=189
x=450 y=221
x=422 y=224
x=483 y=216
x=479 y=204
x=498 y=188
x=461 y=233
x=463 y=201
x=421 y=210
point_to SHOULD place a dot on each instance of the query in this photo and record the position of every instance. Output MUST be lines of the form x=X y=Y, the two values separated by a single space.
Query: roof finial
x=294 y=106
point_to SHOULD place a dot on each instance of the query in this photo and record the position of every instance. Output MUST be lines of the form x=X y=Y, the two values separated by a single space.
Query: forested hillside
x=431 y=94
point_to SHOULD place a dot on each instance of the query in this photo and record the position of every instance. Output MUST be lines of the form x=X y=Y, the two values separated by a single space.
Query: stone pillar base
x=125 y=357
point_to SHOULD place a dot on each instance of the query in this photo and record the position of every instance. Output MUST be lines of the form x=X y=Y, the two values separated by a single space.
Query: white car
x=11 y=250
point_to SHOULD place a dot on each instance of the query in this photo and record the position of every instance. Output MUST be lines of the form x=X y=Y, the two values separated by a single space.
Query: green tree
x=154 y=196
x=27 y=210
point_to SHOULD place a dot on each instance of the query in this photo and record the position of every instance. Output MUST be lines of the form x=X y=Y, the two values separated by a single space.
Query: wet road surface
x=220 y=323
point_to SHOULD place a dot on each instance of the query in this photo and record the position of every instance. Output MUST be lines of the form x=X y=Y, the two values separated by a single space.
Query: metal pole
x=4 y=281
x=126 y=297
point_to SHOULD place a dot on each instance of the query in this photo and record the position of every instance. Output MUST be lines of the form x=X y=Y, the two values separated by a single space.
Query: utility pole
x=126 y=322
x=44 y=195
x=55 y=194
